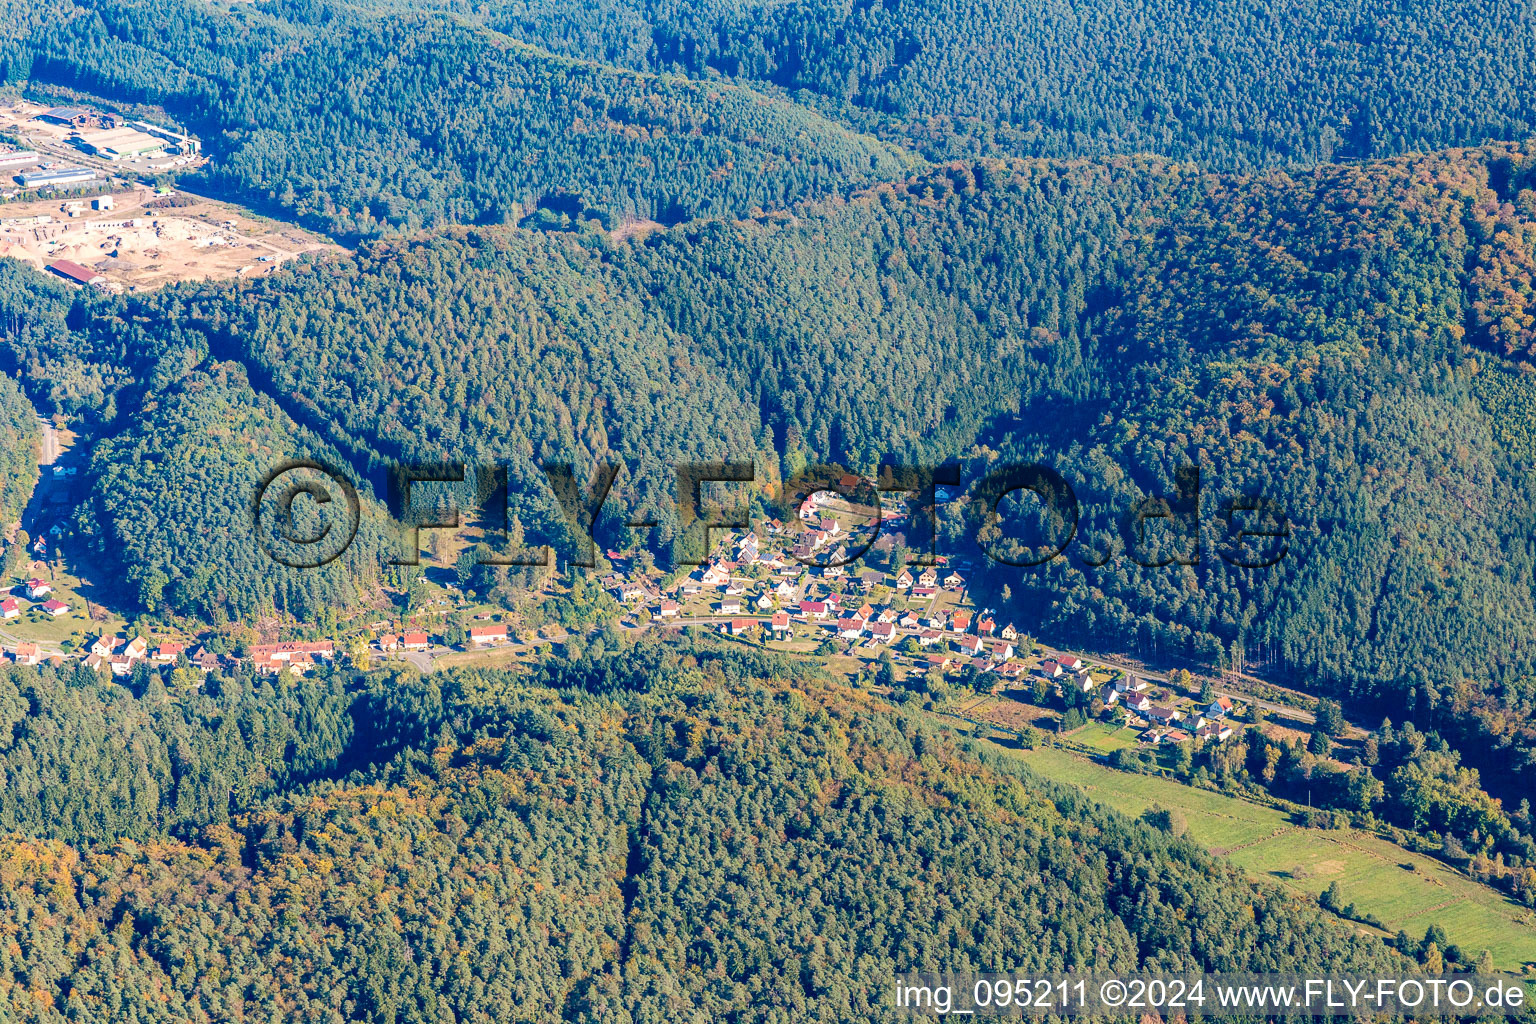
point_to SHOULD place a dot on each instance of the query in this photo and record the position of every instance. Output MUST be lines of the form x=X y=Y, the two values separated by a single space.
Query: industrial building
x=121 y=143
x=72 y=271
x=18 y=158
x=55 y=176
x=78 y=117
x=181 y=143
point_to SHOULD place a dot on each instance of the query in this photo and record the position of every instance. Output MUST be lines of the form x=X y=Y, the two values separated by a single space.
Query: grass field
x=1103 y=737
x=1405 y=890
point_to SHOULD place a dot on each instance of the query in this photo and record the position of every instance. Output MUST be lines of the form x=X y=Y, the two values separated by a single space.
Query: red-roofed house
x=26 y=654
x=55 y=608
x=9 y=609
x=780 y=622
x=414 y=641
x=485 y=636
x=38 y=588
x=850 y=628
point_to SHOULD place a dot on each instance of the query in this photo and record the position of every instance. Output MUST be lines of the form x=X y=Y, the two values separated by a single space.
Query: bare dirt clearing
x=146 y=241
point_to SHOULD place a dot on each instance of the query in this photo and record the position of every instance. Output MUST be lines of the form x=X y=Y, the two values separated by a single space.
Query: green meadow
x=1404 y=890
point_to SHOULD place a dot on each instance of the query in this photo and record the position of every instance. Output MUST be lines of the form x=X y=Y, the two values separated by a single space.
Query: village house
x=1109 y=695
x=970 y=645
x=38 y=588
x=929 y=637
x=137 y=647
x=808 y=543
x=780 y=623
x=986 y=626
x=1072 y=663
x=485 y=636
x=1163 y=716
x=120 y=664
x=1221 y=707
x=1008 y=632
x=729 y=606
x=954 y=581
x=907 y=621
x=764 y=601
x=410 y=641
x=813 y=609
x=904 y=580
x=884 y=632
x=389 y=642
x=740 y=626
x=9 y=609
x=850 y=628
x=959 y=622
x=1012 y=670
x=714 y=575
x=1138 y=702
x=928 y=578
x=939 y=661
x=667 y=610
x=204 y=659
x=106 y=645
x=55 y=608
x=1050 y=669
x=167 y=653
x=830 y=527
x=631 y=591
x=27 y=654
x=1130 y=684
x=318 y=648
x=924 y=593
x=1001 y=651
x=1218 y=731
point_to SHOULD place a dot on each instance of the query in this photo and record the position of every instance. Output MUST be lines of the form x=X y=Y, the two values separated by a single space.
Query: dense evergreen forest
x=448 y=125
x=1236 y=84
x=20 y=442
x=1119 y=239
x=1301 y=338
x=662 y=835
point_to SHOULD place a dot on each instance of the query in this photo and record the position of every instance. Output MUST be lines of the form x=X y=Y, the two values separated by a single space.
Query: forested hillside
x=662 y=836
x=172 y=510
x=20 y=443
x=1299 y=338
x=359 y=127
x=1235 y=84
